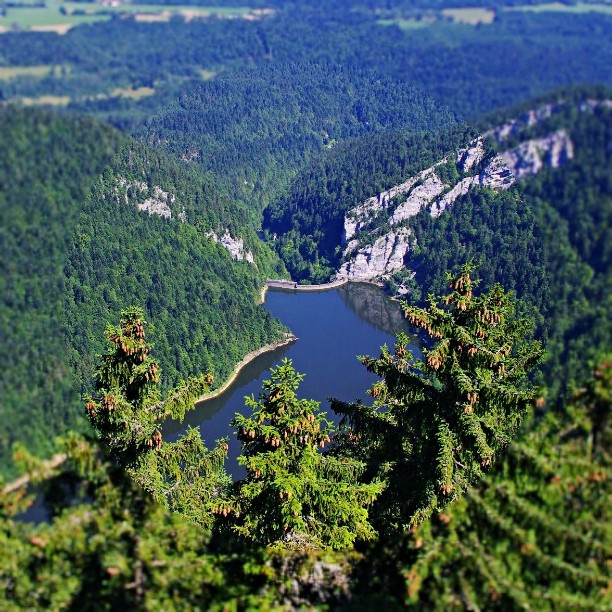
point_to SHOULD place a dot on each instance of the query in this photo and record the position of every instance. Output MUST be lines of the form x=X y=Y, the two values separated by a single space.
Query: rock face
x=532 y=155
x=535 y=116
x=380 y=219
x=235 y=246
x=385 y=256
x=374 y=237
x=158 y=201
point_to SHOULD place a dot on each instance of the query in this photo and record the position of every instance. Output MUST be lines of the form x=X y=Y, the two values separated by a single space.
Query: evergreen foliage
x=533 y=534
x=127 y=415
x=256 y=128
x=472 y=69
x=293 y=495
x=202 y=303
x=48 y=163
x=437 y=425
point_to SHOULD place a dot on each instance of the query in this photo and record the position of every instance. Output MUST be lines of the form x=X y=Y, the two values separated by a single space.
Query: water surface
x=333 y=327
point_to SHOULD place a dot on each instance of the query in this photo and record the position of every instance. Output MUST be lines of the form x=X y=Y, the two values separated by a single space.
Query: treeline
x=471 y=69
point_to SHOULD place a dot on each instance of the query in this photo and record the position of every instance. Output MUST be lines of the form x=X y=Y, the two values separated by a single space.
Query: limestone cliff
x=375 y=238
x=532 y=154
x=154 y=201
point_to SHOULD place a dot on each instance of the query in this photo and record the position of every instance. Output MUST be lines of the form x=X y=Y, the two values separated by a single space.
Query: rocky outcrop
x=235 y=246
x=471 y=156
x=385 y=256
x=156 y=201
x=532 y=155
x=379 y=220
x=427 y=189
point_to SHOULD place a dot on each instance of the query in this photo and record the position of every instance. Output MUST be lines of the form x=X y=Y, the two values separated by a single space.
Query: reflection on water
x=332 y=327
x=374 y=306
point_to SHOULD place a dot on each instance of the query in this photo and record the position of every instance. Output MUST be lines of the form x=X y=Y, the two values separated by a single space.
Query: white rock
x=385 y=256
x=461 y=188
x=431 y=188
x=235 y=246
x=472 y=155
x=531 y=156
x=155 y=204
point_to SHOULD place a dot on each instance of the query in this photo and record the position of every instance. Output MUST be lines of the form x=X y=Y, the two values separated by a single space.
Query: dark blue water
x=332 y=327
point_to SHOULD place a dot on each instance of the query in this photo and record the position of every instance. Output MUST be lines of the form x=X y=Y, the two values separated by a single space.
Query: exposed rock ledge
x=532 y=155
x=235 y=246
x=385 y=256
x=426 y=188
x=157 y=203
x=387 y=252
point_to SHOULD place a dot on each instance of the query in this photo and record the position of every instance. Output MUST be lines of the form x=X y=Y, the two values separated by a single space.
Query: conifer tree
x=294 y=495
x=436 y=424
x=127 y=412
x=535 y=532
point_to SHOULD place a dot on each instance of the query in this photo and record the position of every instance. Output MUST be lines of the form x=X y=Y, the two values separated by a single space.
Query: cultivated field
x=60 y=16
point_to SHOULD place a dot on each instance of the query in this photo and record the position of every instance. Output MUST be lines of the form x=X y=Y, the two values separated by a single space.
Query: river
x=332 y=327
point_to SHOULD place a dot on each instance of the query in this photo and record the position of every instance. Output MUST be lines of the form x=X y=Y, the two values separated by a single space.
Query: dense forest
x=202 y=302
x=190 y=155
x=256 y=128
x=48 y=164
x=547 y=239
x=72 y=262
x=471 y=68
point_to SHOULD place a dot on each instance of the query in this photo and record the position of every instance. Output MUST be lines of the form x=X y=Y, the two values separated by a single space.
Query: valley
x=305 y=305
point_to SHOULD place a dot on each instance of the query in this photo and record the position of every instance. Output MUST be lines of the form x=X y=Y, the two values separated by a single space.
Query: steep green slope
x=163 y=257
x=47 y=166
x=309 y=218
x=564 y=220
x=256 y=128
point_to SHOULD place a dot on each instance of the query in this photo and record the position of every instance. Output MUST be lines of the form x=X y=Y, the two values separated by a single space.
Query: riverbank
x=289 y=339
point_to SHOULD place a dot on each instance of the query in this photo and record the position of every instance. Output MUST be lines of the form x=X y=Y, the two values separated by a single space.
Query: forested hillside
x=146 y=237
x=562 y=225
x=48 y=163
x=308 y=219
x=71 y=262
x=124 y=69
x=256 y=128
x=547 y=238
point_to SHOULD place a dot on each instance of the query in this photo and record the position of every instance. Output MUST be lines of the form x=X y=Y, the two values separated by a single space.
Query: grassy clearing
x=207 y=75
x=471 y=15
x=581 y=7
x=46 y=101
x=13 y=72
